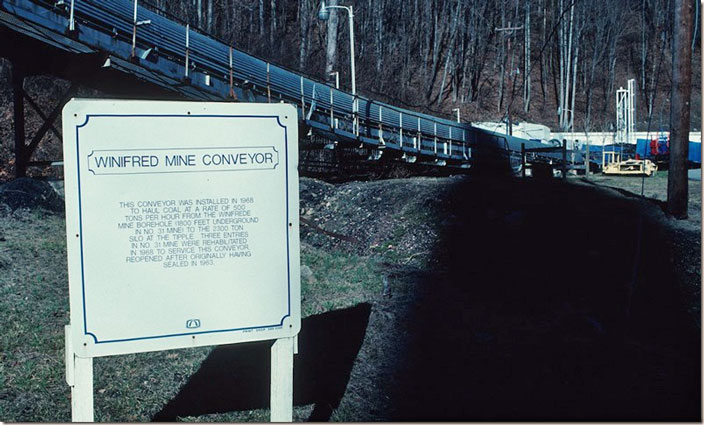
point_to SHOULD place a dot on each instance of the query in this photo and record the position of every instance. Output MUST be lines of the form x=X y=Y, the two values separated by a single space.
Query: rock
x=30 y=193
x=386 y=292
x=307 y=274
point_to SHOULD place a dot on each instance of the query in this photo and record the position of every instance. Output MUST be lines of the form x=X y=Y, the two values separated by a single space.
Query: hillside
x=436 y=55
x=423 y=299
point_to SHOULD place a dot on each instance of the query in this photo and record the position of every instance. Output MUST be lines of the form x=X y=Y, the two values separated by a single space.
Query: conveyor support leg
x=17 y=81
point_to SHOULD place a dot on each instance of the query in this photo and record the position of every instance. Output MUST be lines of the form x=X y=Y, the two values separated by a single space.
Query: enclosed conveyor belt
x=167 y=54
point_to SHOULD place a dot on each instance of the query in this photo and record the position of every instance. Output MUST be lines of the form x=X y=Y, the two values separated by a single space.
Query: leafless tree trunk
x=272 y=26
x=303 y=29
x=209 y=18
x=526 y=56
x=261 y=17
x=331 y=46
x=453 y=34
x=616 y=19
x=597 y=36
x=502 y=60
x=573 y=94
x=481 y=35
x=437 y=47
x=378 y=35
x=199 y=13
x=543 y=66
x=643 y=46
x=566 y=30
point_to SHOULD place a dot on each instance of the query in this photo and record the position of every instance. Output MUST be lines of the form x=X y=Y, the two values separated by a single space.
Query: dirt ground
x=539 y=300
x=655 y=188
x=430 y=299
x=534 y=300
x=555 y=302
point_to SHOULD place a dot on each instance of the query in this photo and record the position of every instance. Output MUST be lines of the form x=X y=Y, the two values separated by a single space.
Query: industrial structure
x=127 y=50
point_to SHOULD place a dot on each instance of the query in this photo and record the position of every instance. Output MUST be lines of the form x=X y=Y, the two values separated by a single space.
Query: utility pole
x=508 y=32
x=677 y=185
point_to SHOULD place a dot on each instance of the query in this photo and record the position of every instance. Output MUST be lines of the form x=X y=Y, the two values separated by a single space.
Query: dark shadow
x=237 y=377
x=553 y=302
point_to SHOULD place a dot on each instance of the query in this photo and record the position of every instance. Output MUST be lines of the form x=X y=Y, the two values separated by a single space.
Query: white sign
x=182 y=224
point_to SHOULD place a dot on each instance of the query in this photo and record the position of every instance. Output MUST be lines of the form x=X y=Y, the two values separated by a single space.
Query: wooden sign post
x=182 y=231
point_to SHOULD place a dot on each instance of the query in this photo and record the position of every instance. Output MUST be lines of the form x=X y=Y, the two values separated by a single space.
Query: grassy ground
x=380 y=308
x=34 y=297
x=34 y=301
x=655 y=187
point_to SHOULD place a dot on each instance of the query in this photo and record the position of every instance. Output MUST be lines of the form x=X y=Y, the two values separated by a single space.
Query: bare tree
x=526 y=58
x=427 y=53
x=451 y=44
x=209 y=16
x=566 y=32
x=272 y=22
x=304 y=22
x=596 y=34
x=261 y=17
x=331 y=49
x=655 y=32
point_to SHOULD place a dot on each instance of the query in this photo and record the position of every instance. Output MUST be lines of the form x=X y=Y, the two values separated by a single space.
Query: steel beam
x=17 y=82
x=48 y=122
x=41 y=113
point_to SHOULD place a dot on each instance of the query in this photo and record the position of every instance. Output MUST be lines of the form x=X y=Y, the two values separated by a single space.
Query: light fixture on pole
x=323 y=15
x=457 y=110
x=337 y=78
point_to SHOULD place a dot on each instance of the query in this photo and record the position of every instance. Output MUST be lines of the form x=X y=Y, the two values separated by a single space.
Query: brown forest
x=486 y=57
x=489 y=58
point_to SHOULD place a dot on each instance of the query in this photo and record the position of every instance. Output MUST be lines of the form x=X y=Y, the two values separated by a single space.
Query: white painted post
x=79 y=376
x=134 y=30
x=303 y=99
x=82 y=390
x=450 y=141
x=435 y=138
x=71 y=20
x=186 y=61
x=464 y=143
x=68 y=356
x=332 y=108
x=282 y=380
x=268 y=82
x=400 y=130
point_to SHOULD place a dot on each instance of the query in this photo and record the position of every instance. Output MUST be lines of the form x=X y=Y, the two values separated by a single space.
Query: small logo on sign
x=193 y=323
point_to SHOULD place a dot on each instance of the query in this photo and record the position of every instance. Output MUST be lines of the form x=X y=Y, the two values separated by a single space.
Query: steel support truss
x=24 y=151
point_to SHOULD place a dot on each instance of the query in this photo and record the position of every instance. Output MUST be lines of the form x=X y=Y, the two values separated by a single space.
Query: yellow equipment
x=631 y=167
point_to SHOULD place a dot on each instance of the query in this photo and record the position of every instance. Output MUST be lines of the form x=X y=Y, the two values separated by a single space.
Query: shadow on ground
x=236 y=377
x=555 y=302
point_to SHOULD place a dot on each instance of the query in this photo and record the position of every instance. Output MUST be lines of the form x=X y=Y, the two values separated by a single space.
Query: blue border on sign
x=80 y=226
